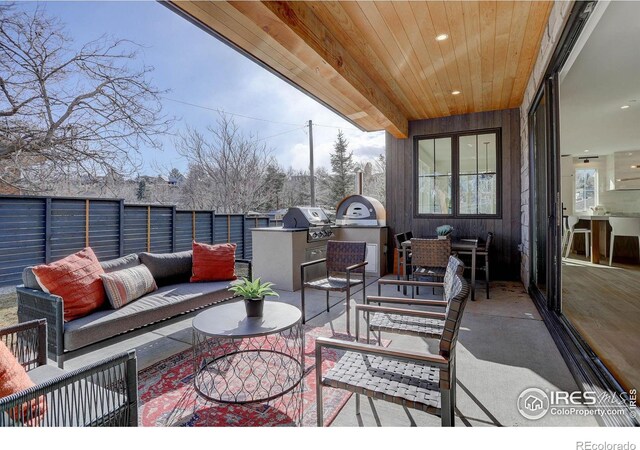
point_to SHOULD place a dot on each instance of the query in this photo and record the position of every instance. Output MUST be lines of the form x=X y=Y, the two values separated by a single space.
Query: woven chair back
x=455 y=267
x=456 y=296
x=342 y=254
x=430 y=252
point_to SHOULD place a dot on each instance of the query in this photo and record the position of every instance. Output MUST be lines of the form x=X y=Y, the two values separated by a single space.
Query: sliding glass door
x=545 y=220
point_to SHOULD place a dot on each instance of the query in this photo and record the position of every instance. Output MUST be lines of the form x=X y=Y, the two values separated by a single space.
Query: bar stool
x=572 y=221
x=623 y=226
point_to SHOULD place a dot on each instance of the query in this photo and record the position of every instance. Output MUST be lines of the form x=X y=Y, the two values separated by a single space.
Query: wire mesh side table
x=240 y=359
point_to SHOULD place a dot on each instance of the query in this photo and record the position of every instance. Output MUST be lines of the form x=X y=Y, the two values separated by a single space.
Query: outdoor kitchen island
x=279 y=251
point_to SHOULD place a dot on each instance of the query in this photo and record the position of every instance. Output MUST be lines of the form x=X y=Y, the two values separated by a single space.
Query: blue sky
x=199 y=69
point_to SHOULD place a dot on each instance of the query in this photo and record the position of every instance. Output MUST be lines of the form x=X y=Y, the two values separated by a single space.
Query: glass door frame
x=587 y=369
x=553 y=247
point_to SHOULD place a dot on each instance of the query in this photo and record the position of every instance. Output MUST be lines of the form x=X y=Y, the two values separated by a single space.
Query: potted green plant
x=253 y=293
x=444 y=231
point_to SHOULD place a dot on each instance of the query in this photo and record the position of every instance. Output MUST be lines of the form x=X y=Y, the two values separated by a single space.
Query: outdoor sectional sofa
x=175 y=296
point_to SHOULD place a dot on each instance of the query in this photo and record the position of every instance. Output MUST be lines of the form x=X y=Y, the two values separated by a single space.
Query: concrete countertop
x=606 y=216
x=280 y=229
x=361 y=226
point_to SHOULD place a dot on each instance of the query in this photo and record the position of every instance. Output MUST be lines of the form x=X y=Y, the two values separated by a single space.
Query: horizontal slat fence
x=36 y=230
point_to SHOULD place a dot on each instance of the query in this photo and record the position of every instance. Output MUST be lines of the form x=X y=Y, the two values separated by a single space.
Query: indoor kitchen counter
x=599 y=237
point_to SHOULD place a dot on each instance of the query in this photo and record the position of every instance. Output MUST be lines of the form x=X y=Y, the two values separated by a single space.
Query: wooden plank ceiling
x=379 y=63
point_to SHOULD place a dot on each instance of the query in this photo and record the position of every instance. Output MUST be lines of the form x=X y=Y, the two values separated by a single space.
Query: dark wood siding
x=505 y=262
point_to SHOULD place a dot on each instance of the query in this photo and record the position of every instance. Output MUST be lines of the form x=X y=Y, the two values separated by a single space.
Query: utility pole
x=312 y=177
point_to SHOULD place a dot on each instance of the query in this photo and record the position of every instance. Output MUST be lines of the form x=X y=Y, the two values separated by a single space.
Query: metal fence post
x=173 y=228
x=149 y=228
x=213 y=227
x=47 y=230
x=244 y=237
x=121 y=229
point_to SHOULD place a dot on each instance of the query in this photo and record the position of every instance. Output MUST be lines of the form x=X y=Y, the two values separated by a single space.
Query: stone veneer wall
x=557 y=19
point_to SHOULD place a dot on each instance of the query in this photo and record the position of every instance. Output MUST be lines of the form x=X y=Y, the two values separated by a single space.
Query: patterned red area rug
x=168 y=398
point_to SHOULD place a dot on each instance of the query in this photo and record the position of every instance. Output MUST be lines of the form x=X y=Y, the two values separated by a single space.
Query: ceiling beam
x=279 y=19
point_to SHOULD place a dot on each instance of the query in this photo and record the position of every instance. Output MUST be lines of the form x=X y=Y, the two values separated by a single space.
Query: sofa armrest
x=101 y=394
x=33 y=305
x=244 y=268
x=28 y=342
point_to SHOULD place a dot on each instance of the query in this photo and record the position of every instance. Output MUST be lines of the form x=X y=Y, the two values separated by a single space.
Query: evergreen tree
x=342 y=167
x=176 y=176
x=142 y=190
x=274 y=185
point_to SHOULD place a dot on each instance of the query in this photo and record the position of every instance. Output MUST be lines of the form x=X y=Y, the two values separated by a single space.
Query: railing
x=36 y=230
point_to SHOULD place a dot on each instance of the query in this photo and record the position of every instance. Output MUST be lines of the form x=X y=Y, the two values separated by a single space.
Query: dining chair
x=409 y=378
x=399 y=239
x=572 y=221
x=623 y=226
x=565 y=233
x=484 y=252
x=403 y=259
x=429 y=258
x=399 y=319
x=344 y=260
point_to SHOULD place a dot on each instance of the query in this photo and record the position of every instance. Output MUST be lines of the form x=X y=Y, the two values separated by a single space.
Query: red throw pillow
x=213 y=262
x=13 y=379
x=76 y=279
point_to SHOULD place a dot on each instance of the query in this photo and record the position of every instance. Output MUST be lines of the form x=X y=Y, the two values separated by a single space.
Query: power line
x=284 y=132
x=208 y=108
x=229 y=113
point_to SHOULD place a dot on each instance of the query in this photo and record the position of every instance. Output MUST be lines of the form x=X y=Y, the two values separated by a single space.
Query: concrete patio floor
x=504 y=348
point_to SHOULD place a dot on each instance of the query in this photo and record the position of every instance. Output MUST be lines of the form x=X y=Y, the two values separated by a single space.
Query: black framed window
x=435 y=164
x=458 y=174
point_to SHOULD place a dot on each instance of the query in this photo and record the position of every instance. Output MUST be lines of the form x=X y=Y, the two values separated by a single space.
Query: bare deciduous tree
x=231 y=166
x=63 y=111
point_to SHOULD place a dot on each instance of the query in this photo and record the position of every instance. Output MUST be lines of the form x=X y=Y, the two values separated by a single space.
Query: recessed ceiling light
x=586 y=151
x=455 y=92
x=624 y=106
x=442 y=37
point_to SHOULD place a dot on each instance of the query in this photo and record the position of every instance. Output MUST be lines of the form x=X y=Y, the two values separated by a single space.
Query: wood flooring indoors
x=603 y=304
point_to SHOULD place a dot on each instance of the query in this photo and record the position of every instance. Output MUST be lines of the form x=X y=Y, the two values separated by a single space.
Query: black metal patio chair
x=104 y=394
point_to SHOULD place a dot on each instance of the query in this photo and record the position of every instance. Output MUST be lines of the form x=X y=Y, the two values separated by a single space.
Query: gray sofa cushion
x=169 y=268
x=44 y=373
x=166 y=302
x=29 y=279
x=126 y=262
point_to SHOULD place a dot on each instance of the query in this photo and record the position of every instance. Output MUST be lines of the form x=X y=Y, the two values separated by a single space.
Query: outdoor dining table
x=459 y=246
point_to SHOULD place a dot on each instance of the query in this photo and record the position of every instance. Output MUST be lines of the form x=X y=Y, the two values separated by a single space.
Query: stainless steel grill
x=314 y=220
